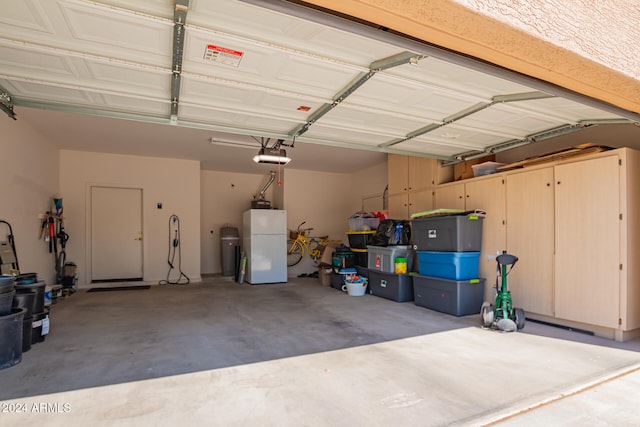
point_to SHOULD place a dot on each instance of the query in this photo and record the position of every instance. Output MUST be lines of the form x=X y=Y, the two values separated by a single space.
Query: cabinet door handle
x=548 y=184
x=558 y=182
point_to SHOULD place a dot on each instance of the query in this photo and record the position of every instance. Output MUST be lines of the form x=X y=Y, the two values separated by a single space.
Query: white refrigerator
x=264 y=241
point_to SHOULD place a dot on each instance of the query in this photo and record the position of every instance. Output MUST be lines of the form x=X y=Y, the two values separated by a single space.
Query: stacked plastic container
x=448 y=249
x=358 y=241
x=389 y=268
x=342 y=263
x=361 y=230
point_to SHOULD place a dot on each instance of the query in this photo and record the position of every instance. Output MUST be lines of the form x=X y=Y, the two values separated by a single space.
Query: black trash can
x=11 y=338
x=229 y=241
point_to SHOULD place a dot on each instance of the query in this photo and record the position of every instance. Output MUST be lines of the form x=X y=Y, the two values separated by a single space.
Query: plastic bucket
x=356 y=288
x=6 y=301
x=25 y=299
x=6 y=284
x=38 y=288
x=11 y=338
x=26 y=278
x=39 y=327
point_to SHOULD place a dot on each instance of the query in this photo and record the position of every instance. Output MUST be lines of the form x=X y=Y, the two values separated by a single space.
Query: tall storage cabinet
x=588 y=225
x=530 y=236
x=574 y=225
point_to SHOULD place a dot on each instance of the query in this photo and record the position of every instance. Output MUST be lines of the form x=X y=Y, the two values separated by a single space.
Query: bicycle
x=299 y=244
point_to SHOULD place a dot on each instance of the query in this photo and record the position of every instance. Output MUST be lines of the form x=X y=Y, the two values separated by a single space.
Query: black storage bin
x=360 y=257
x=360 y=239
x=396 y=287
x=392 y=232
x=362 y=271
x=343 y=259
x=338 y=275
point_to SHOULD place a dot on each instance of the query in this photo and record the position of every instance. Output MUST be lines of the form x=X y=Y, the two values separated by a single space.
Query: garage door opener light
x=273 y=156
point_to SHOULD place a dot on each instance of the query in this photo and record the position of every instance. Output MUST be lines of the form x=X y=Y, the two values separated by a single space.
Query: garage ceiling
x=274 y=70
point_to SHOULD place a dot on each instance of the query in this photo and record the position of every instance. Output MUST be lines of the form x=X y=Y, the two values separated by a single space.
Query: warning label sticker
x=222 y=55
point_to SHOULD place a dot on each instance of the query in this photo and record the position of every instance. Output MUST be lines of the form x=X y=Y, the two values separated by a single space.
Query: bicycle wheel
x=294 y=253
x=314 y=249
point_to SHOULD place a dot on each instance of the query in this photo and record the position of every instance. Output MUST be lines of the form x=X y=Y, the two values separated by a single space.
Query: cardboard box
x=324 y=276
x=463 y=170
x=327 y=256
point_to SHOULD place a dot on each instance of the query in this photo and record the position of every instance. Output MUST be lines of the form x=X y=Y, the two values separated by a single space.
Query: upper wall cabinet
x=411 y=180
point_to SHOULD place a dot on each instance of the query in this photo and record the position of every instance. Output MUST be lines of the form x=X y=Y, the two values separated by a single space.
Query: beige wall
x=224 y=197
x=175 y=183
x=370 y=183
x=35 y=171
x=323 y=200
x=28 y=182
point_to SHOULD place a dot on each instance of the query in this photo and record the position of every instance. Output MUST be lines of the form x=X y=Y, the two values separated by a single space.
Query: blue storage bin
x=449 y=265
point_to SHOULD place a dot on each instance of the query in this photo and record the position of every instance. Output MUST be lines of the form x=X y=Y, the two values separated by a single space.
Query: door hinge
x=620 y=162
x=619 y=321
x=620 y=267
x=620 y=217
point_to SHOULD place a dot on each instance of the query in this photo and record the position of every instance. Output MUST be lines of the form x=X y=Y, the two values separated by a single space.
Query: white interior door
x=116 y=234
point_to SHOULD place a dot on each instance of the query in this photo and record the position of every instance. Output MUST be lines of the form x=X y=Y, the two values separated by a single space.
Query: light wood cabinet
x=451 y=196
x=403 y=205
x=575 y=227
x=397 y=173
x=588 y=258
x=530 y=236
x=411 y=181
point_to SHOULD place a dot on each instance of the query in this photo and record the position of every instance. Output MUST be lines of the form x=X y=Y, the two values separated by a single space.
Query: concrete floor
x=298 y=354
